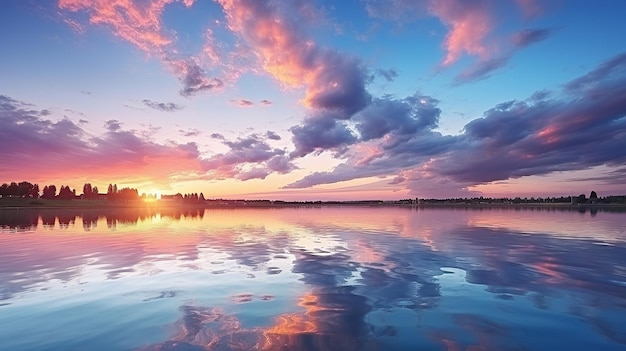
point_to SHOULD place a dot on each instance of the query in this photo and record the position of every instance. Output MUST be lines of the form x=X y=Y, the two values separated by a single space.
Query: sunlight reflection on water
x=344 y=278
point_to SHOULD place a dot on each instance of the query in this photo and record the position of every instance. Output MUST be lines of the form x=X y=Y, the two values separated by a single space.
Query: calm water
x=313 y=279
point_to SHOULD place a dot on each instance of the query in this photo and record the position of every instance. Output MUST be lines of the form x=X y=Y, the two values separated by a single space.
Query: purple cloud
x=530 y=36
x=162 y=106
x=401 y=117
x=615 y=68
x=583 y=128
x=192 y=132
x=248 y=158
x=34 y=146
x=389 y=74
x=320 y=132
x=243 y=103
x=193 y=77
x=481 y=70
x=272 y=135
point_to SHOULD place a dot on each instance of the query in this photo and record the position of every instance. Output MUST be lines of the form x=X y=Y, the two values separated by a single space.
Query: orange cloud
x=138 y=23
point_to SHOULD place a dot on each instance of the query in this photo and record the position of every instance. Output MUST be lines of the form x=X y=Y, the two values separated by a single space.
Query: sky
x=316 y=99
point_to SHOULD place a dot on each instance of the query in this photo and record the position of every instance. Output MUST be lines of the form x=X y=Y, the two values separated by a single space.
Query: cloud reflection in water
x=343 y=278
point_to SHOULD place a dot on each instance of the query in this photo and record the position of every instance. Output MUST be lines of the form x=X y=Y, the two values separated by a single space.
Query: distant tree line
x=29 y=190
x=190 y=198
x=580 y=199
x=22 y=189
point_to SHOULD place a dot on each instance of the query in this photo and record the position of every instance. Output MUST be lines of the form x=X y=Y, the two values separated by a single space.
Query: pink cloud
x=140 y=24
x=469 y=23
x=276 y=36
x=41 y=149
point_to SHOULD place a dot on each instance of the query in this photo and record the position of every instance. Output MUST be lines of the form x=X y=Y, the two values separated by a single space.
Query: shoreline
x=30 y=204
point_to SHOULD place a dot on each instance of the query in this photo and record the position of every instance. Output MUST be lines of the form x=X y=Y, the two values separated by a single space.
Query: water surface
x=330 y=278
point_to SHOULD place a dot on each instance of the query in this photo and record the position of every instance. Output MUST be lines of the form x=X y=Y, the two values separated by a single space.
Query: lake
x=327 y=278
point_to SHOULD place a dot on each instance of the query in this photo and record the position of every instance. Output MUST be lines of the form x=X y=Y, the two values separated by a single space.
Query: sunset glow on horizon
x=315 y=100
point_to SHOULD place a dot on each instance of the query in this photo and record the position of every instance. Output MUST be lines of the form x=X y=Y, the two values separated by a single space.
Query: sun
x=153 y=195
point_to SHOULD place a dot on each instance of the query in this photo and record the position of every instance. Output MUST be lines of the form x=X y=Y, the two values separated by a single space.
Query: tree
x=13 y=189
x=34 y=191
x=49 y=192
x=87 y=191
x=593 y=195
x=582 y=199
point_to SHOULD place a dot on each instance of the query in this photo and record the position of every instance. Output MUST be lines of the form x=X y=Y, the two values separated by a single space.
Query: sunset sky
x=316 y=100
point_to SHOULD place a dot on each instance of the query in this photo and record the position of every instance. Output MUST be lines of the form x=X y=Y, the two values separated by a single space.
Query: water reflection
x=326 y=278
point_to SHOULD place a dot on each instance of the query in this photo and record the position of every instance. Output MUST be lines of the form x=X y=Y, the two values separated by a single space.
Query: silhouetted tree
x=66 y=193
x=34 y=192
x=49 y=192
x=582 y=199
x=593 y=195
x=87 y=191
x=202 y=199
x=13 y=189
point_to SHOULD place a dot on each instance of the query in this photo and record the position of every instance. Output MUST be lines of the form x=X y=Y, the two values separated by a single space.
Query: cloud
x=274 y=32
x=481 y=70
x=320 y=132
x=137 y=23
x=113 y=125
x=243 y=103
x=529 y=36
x=471 y=30
x=485 y=67
x=193 y=77
x=272 y=135
x=34 y=146
x=140 y=24
x=191 y=132
x=248 y=158
x=162 y=106
x=402 y=117
x=469 y=23
x=265 y=102
x=581 y=128
x=611 y=70
x=388 y=74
